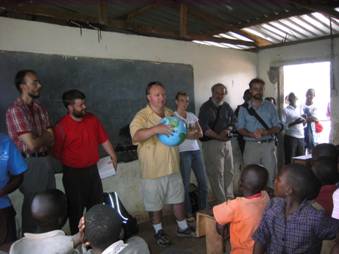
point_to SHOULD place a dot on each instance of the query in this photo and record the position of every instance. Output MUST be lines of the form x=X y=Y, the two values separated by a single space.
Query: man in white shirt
x=294 y=130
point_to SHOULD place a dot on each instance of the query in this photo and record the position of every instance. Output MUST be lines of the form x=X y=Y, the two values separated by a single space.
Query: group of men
x=26 y=156
x=74 y=140
x=159 y=164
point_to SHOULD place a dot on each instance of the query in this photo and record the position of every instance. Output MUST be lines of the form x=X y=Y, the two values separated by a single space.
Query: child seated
x=49 y=209
x=290 y=223
x=244 y=213
x=325 y=169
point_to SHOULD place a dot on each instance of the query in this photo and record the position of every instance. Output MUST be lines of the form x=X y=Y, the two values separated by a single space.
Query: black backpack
x=129 y=223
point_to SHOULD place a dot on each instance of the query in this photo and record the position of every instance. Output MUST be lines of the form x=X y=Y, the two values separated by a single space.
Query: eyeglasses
x=33 y=82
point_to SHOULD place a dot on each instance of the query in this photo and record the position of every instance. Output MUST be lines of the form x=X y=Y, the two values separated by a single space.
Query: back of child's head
x=324 y=150
x=253 y=179
x=302 y=180
x=325 y=168
x=49 y=209
x=102 y=226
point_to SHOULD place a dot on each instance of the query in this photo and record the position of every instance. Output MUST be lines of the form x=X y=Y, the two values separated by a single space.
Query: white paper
x=106 y=168
x=303 y=157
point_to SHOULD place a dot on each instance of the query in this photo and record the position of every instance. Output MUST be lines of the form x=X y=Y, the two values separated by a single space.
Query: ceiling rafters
x=296 y=20
x=328 y=11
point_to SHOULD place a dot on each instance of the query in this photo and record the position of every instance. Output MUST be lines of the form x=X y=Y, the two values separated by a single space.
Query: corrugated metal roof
x=296 y=28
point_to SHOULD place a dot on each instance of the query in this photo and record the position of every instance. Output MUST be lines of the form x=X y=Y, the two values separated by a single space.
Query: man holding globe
x=159 y=164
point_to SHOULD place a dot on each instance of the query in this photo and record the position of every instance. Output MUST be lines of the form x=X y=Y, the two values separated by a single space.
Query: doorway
x=298 y=78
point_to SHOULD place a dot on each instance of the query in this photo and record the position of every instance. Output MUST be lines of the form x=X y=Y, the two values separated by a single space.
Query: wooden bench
x=206 y=226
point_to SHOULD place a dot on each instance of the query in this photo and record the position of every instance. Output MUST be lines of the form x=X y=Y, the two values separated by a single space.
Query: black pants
x=293 y=147
x=83 y=189
x=7 y=225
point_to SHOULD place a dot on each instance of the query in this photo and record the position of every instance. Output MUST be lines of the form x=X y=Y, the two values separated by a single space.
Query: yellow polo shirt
x=155 y=159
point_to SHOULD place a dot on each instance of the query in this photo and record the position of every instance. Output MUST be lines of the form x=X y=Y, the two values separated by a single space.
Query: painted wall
x=210 y=65
x=302 y=53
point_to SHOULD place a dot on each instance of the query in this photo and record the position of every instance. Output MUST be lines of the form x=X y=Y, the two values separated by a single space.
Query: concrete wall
x=302 y=53
x=210 y=65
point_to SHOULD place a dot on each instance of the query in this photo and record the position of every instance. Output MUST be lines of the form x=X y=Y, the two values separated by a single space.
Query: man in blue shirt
x=12 y=167
x=260 y=145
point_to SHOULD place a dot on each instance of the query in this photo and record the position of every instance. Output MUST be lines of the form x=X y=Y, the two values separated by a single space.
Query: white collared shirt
x=115 y=248
x=52 y=242
x=289 y=115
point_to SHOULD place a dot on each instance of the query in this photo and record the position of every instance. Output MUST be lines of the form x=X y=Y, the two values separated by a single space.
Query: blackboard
x=115 y=89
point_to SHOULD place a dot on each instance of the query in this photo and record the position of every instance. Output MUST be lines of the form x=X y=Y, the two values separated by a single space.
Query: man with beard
x=216 y=119
x=259 y=141
x=77 y=136
x=29 y=126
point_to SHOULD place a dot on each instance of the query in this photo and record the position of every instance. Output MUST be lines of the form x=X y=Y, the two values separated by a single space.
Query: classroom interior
x=210 y=64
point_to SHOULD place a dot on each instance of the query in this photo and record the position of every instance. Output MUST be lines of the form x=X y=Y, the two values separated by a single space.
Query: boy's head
x=324 y=150
x=253 y=179
x=49 y=209
x=102 y=227
x=325 y=168
x=298 y=182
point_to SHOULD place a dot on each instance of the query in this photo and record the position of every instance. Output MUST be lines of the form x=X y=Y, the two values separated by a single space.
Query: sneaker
x=161 y=239
x=186 y=233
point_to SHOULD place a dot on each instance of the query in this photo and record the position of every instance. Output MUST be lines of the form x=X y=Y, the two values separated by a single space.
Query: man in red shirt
x=29 y=127
x=77 y=136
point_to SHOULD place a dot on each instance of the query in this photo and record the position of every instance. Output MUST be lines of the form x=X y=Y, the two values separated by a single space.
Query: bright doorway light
x=299 y=78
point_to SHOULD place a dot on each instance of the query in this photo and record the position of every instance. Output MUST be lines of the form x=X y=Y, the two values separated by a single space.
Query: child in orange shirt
x=244 y=213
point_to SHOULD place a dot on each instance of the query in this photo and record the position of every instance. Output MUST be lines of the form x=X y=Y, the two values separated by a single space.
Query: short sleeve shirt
x=244 y=215
x=156 y=159
x=76 y=142
x=289 y=115
x=188 y=144
x=249 y=122
x=22 y=118
x=11 y=163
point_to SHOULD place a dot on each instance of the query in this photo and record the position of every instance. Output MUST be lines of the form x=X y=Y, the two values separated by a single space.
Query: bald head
x=49 y=209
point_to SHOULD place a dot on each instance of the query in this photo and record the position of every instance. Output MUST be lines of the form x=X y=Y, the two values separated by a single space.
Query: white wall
x=210 y=65
x=302 y=53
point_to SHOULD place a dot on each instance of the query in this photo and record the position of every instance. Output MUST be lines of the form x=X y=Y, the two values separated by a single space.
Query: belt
x=260 y=141
x=34 y=155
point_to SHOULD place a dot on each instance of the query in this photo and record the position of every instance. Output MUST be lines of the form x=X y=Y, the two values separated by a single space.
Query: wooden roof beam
x=103 y=6
x=137 y=12
x=59 y=14
x=183 y=20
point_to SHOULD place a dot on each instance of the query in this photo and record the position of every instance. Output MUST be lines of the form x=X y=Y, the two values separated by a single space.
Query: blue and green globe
x=178 y=134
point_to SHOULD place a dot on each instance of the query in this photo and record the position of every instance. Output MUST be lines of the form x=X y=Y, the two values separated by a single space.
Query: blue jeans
x=192 y=160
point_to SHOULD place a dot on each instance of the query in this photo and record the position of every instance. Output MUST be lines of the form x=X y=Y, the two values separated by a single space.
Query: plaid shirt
x=301 y=232
x=21 y=118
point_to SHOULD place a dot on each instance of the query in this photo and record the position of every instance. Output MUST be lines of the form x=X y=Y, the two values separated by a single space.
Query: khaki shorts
x=160 y=191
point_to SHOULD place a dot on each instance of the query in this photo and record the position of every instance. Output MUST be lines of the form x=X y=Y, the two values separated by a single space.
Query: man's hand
x=258 y=133
x=115 y=162
x=163 y=129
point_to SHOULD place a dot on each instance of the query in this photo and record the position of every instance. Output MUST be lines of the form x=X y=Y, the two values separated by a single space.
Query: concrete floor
x=179 y=245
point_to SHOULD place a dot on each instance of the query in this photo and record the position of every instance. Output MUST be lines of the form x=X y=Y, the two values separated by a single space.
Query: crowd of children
x=297 y=219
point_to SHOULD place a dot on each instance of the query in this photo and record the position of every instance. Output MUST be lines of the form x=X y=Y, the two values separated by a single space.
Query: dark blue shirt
x=301 y=232
x=11 y=163
x=208 y=116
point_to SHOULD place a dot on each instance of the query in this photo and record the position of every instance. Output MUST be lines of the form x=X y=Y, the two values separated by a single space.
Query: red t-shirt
x=325 y=198
x=76 y=142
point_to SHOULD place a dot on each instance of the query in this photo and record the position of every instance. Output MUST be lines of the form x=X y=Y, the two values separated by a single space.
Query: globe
x=179 y=131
